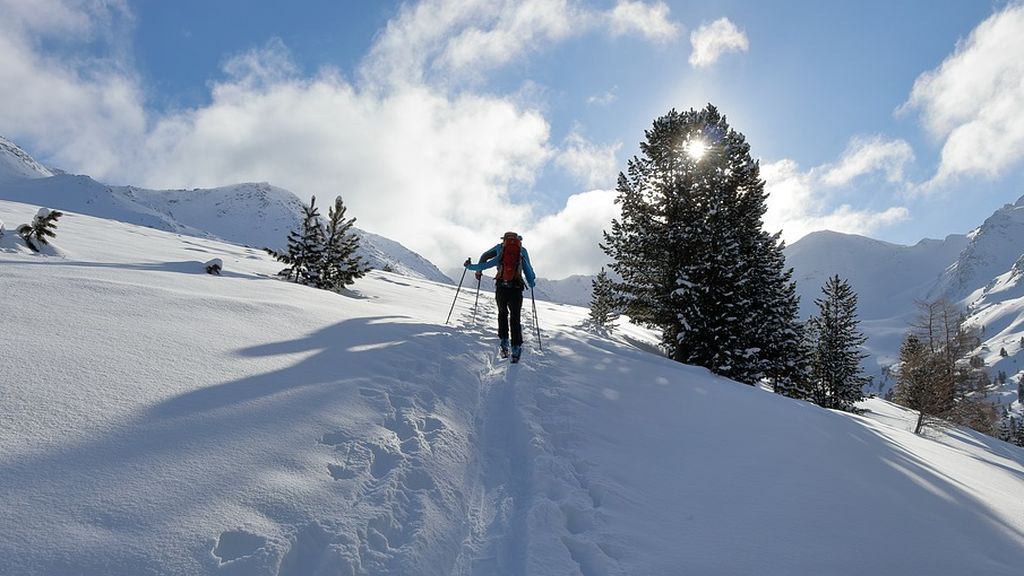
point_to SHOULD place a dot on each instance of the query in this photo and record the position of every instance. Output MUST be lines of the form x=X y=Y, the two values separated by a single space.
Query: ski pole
x=468 y=260
x=477 y=301
x=536 y=323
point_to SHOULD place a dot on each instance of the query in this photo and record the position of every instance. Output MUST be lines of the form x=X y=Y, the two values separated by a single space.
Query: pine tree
x=323 y=256
x=42 y=228
x=1002 y=352
x=602 y=301
x=784 y=353
x=838 y=379
x=690 y=249
x=340 y=265
x=305 y=249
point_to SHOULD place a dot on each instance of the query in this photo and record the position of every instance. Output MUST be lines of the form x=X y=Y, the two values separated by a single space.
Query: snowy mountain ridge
x=243 y=425
x=252 y=214
x=993 y=248
x=976 y=271
x=16 y=163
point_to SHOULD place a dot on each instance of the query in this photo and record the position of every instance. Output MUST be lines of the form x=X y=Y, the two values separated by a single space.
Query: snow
x=158 y=420
x=15 y=163
x=252 y=214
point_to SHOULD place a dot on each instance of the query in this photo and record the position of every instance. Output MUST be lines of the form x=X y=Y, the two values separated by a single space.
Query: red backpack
x=510 y=269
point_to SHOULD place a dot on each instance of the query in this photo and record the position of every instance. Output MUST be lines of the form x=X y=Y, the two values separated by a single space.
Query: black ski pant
x=510 y=304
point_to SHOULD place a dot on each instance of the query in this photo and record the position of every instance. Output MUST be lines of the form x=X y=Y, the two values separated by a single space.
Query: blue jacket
x=494 y=255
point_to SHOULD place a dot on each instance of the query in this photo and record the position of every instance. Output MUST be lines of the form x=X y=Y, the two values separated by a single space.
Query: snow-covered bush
x=214 y=266
x=42 y=228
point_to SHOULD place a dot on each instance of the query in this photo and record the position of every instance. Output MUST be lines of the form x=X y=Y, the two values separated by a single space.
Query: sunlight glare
x=696 y=148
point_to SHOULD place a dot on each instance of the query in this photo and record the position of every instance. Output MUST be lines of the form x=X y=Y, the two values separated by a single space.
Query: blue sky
x=444 y=122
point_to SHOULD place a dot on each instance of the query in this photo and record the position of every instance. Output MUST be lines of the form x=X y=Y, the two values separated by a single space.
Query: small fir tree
x=41 y=230
x=1002 y=352
x=323 y=256
x=339 y=264
x=305 y=248
x=602 y=301
x=837 y=377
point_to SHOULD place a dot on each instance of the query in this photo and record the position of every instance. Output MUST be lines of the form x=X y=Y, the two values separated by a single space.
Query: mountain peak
x=16 y=163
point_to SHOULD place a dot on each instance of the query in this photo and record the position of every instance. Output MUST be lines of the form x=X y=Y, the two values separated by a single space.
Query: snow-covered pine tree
x=42 y=228
x=339 y=265
x=1011 y=429
x=305 y=248
x=837 y=377
x=690 y=249
x=786 y=356
x=602 y=301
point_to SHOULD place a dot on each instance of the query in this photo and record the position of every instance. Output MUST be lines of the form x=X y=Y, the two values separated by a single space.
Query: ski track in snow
x=530 y=479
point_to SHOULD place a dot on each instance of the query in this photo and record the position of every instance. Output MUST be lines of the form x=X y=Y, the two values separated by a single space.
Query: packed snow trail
x=155 y=419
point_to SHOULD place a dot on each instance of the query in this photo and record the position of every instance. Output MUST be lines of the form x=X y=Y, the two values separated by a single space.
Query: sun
x=696 y=148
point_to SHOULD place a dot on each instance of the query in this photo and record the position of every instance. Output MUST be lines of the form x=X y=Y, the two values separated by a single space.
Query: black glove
x=467 y=262
x=479 y=274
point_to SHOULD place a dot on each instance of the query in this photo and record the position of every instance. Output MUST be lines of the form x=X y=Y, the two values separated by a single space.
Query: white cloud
x=567 y=243
x=517 y=27
x=799 y=203
x=430 y=171
x=605 y=98
x=711 y=41
x=83 y=111
x=650 y=20
x=443 y=41
x=591 y=165
x=973 y=100
x=867 y=155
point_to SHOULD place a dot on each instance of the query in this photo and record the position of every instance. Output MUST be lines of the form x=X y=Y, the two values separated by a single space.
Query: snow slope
x=158 y=420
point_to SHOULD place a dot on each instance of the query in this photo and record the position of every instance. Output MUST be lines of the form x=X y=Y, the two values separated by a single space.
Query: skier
x=513 y=261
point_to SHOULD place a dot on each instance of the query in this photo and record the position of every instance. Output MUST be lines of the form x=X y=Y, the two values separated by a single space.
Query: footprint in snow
x=236 y=544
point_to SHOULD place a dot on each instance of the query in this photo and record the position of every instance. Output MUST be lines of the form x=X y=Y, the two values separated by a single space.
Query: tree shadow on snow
x=360 y=349
x=182 y=451
x=180 y=267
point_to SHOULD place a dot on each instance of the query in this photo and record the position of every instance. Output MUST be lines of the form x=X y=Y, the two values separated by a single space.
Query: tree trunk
x=920 y=422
